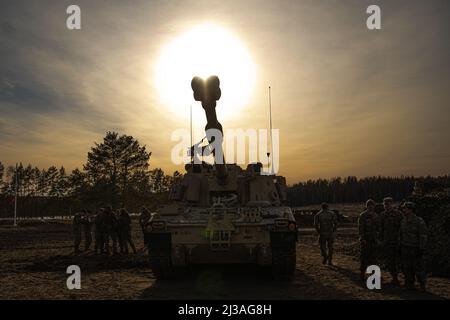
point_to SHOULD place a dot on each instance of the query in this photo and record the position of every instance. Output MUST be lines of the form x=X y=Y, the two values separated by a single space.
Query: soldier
x=368 y=226
x=99 y=231
x=118 y=230
x=325 y=222
x=110 y=222
x=124 y=227
x=413 y=239
x=87 y=223
x=390 y=221
x=144 y=217
x=77 y=221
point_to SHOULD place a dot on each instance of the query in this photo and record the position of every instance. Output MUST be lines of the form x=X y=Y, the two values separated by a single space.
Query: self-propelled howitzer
x=221 y=213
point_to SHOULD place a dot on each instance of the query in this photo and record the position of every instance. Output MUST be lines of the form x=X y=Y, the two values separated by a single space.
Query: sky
x=346 y=100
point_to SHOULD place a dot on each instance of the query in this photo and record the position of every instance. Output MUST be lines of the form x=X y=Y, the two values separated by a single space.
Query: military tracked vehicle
x=433 y=205
x=222 y=213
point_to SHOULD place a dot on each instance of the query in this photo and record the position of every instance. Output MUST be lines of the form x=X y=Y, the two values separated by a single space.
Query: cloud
x=346 y=100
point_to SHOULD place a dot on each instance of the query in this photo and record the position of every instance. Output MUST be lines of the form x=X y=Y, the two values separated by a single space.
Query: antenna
x=190 y=116
x=15 y=199
x=270 y=132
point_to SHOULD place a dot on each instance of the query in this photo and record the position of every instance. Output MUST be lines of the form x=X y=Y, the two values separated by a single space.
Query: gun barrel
x=208 y=92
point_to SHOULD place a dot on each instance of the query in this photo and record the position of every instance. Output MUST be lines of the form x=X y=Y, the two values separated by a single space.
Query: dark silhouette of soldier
x=87 y=228
x=110 y=222
x=76 y=227
x=144 y=217
x=100 y=231
x=390 y=220
x=117 y=230
x=413 y=240
x=325 y=222
x=368 y=226
x=124 y=230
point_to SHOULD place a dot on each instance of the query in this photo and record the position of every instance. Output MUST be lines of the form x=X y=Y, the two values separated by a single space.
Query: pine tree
x=110 y=165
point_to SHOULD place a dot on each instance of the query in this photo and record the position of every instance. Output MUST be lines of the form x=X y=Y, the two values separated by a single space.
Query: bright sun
x=203 y=51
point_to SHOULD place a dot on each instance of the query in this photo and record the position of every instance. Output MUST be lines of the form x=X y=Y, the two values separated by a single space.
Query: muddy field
x=34 y=258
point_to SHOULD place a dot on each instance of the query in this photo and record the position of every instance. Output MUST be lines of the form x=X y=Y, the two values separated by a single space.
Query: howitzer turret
x=222 y=213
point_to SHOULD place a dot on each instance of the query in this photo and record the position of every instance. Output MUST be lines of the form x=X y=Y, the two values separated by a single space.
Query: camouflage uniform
x=413 y=239
x=124 y=229
x=325 y=222
x=100 y=231
x=110 y=222
x=389 y=235
x=368 y=226
x=87 y=224
x=77 y=221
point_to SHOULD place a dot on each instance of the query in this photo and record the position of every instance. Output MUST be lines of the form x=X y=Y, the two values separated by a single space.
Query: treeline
x=116 y=172
x=352 y=189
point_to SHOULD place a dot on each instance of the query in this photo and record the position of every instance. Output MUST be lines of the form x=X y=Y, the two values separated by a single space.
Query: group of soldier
x=109 y=226
x=397 y=237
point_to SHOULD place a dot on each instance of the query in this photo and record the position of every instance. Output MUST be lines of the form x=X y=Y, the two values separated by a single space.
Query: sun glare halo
x=203 y=51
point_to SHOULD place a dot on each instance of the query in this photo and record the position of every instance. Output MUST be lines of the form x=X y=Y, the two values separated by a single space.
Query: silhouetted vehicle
x=221 y=213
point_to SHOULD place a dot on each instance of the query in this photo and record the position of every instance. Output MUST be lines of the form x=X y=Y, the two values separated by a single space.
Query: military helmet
x=409 y=205
x=388 y=199
x=370 y=202
x=324 y=205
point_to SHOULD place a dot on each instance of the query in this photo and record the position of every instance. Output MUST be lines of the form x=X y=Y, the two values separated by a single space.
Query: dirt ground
x=34 y=259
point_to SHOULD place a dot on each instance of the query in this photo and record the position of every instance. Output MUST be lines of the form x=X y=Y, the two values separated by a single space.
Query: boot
x=324 y=261
x=423 y=284
x=330 y=262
